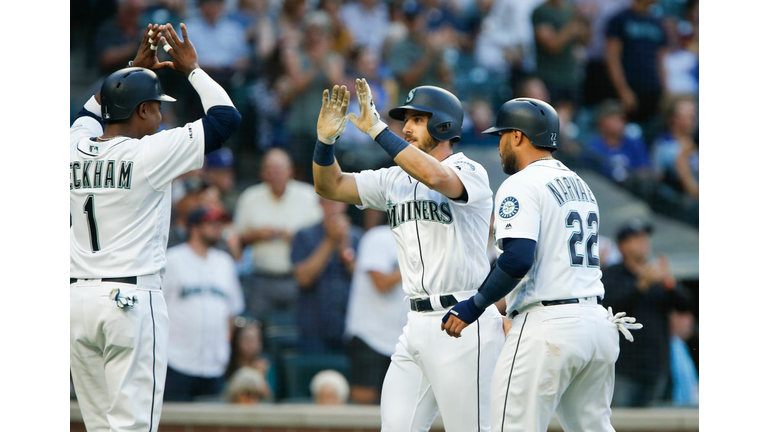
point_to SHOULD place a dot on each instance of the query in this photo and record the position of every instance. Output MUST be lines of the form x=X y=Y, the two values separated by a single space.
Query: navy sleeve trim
x=85 y=113
x=219 y=123
x=510 y=268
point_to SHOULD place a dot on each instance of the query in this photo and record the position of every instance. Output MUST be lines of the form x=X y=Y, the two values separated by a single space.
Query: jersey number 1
x=577 y=259
x=93 y=233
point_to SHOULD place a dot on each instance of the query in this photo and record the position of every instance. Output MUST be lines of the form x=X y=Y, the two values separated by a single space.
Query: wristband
x=323 y=155
x=391 y=143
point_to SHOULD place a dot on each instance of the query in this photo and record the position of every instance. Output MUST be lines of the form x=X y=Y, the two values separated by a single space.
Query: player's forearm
x=210 y=92
x=330 y=181
x=420 y=165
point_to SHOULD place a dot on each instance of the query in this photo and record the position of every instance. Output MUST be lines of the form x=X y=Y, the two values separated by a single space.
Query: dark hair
x=240 y=324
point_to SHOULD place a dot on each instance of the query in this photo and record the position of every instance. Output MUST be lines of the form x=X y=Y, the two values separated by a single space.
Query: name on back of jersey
x=95 y=174
x=570 y=188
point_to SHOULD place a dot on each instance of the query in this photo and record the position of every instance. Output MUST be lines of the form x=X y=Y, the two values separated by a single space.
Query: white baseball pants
x=432 y=371
x=118 y=357
x=556 y=360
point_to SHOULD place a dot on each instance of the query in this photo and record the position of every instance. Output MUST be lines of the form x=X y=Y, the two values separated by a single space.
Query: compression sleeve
x=221 y=118
x=219 y=123
x=510 y=268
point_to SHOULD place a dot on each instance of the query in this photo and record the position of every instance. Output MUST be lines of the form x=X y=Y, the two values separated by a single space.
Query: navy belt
x=425 y=305
x=126 y=280
x=557 y=302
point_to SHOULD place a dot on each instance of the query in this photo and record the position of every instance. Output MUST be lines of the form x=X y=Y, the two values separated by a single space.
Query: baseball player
x=560 y=351
x=121 y=170
x=439 y=205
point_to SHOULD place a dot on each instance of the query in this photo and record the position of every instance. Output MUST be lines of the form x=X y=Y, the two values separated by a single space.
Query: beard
x=427 y=144
x=510 y=164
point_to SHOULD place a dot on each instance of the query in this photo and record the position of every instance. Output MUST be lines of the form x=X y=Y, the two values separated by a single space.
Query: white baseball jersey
x=549 y=203
x=120 y=197
x=202 y=294
x=441 y=250
x=427 y=225
x=554 y=354
x=376 y=318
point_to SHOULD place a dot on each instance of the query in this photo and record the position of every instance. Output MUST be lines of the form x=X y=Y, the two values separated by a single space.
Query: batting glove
x=333 y=115
x=624 y=323
x=465 y=310
x=369 y=120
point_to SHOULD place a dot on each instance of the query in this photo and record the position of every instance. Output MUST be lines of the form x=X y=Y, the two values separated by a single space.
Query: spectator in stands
x=116 y=38
x=258 y=24
x=323 y=256
x=367 y=21
x=194 y=191
x=635 y=46
x=376 y=314
x=418 y=58
x=675 y=153
x=612 y=151
x=646 y=290
x=342 y=40
x=559 y=30
x=248 y=387
x=500 y=45
x=267 y=216
x=597 y=13
x=685 y=377
x=310 y=68
x=220 y=42
x=219 y=172
x=246 y=351
x=203 y=294
x=329 y=387
x=682 y=64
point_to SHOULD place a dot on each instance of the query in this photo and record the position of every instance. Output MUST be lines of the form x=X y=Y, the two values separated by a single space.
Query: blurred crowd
x=275 y=294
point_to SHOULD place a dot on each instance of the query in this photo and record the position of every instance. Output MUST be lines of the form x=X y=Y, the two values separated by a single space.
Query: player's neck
x=442 y=151
x=119 y=129
x=534 y=156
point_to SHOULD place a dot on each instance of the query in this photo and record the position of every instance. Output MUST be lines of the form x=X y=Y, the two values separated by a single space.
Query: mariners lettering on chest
x=95 y=174
x=418 y=210
x=570 y=188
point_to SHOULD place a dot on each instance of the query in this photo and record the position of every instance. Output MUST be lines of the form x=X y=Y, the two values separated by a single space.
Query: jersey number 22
x=577 y=237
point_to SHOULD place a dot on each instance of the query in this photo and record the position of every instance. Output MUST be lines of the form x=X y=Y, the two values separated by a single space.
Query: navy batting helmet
x=535 y=118
x=125 y=89
x=446 y=112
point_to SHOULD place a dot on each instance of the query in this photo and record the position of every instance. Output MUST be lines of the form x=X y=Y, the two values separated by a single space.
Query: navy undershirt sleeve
x=85 y=113
x=511 y=266
x=219 y=123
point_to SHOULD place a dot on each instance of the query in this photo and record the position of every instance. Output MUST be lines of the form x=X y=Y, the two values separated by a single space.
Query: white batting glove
x=333 y=115
x=369 y=120
x=624 y=323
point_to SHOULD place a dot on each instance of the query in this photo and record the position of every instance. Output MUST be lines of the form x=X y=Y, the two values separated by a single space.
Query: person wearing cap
x=219 y=171
x=203 y=295
x=615 y=153
x=646 y=290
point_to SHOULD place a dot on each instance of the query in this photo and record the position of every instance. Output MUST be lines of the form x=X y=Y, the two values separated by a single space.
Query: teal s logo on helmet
x=410 y=96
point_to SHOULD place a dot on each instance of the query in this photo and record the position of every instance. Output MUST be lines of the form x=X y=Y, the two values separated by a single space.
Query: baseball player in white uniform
x=559 y=354
x=439 y=206
x=120 y=204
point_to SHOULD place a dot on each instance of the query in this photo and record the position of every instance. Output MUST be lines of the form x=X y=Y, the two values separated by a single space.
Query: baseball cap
x=221 y=158
x=633 y=227
x=204 y=214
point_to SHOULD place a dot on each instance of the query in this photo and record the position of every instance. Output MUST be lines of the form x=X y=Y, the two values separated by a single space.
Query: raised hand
x=332 y=119
x=369 y=120
x=183 y=53
x=146 y=56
